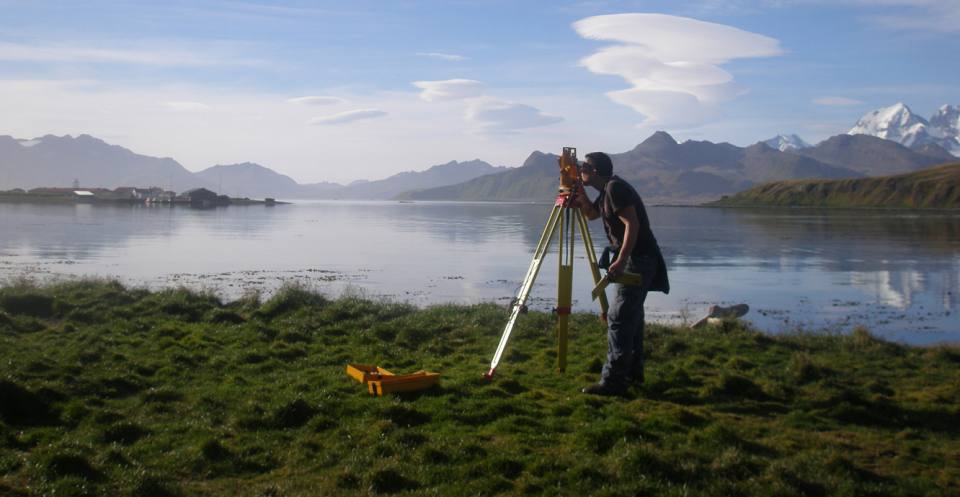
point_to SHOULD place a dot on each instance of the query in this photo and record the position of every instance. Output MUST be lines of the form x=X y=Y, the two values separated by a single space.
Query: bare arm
x=631 y=230
x=586 y=206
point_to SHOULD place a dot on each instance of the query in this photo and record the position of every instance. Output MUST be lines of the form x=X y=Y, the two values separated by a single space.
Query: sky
x=348 y=90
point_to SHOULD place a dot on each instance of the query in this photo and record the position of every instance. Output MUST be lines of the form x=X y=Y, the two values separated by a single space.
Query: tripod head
x=569 y=171
x=571 y=186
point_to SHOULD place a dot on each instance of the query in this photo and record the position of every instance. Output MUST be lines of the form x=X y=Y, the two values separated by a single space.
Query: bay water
x=895 y=272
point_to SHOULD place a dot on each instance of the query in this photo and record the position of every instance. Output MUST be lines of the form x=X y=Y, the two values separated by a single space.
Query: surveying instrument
x=563 y=215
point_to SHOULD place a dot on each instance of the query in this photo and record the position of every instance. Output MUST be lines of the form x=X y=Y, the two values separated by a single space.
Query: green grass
x=106 y=390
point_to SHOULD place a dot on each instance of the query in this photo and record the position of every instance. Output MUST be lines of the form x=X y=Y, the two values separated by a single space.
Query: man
x=635 y=250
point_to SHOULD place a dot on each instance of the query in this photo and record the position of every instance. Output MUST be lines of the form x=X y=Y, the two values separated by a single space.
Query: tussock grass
x=936 y=187
x=107 y=390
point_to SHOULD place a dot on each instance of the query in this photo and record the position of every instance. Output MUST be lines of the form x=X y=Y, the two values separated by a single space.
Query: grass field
x=937 y=187
x=107 y=390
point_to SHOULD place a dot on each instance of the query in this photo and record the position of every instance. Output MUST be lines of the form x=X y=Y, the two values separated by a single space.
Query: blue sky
x=338 y=91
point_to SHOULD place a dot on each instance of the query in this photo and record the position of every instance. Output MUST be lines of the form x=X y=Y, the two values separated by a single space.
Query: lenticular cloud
x=494 y=116
x=346 y=117
x=450 y=89
x=672 y=63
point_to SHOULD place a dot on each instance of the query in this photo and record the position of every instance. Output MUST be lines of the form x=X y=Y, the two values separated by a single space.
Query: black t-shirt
x=616 y=195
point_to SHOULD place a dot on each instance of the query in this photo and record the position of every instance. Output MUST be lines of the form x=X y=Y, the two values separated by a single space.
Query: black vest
x=616 y=195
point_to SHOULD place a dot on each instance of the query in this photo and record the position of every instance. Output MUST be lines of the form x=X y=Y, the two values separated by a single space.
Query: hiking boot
x=604 y=390
x=635 y=380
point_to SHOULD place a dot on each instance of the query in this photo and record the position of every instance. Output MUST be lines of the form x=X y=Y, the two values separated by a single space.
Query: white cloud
x=836 y=101
x=487 y=115
x=186 y=106
x=192 y=56
x=316 y=100
x=347 y=117
x=493 y=116
x=672 y=63
x=449 y=89
x=674 y=39
x=443 y=56
x=675 y=108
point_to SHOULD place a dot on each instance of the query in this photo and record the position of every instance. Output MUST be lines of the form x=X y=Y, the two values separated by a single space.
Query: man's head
x=596 y=170
x=601 y=163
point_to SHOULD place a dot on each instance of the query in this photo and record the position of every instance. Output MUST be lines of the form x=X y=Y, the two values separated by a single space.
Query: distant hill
x=59 y=160
x=441 y=175
x=936 y=151
x=872 y=156
x=761 y=163
x=933 y=188
x=250 y=180
x=536 y=179
x=256 y=181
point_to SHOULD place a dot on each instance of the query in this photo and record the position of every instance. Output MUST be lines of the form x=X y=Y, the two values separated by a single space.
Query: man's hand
x=586 y=206
x=617 y=267
x=583 y=201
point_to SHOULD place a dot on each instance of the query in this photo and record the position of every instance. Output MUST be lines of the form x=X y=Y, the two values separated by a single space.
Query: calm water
x=898 y=274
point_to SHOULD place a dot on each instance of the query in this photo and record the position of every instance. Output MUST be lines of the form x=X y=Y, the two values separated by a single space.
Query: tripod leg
x=592 y=259
x=564 y=286
x=527 y=285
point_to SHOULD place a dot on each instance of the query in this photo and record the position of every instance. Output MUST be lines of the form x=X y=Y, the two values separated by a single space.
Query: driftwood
x=716 y=313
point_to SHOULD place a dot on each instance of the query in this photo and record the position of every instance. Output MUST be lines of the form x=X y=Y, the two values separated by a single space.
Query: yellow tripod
x=563 y=215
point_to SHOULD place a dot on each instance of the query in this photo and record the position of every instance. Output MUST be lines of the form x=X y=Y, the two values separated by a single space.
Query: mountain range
x=256 y=181
x=887 y=141
x=664 y=171
x=52 y=161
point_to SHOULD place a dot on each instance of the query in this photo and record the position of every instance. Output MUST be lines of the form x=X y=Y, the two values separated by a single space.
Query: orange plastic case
x=379 y=381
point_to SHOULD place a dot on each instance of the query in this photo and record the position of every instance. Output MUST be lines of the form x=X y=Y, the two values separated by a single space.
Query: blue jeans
x=625 y=321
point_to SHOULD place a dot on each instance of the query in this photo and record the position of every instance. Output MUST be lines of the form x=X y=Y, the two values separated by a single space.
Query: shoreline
x=316 y=281
x=45 y=199
x=25 y=198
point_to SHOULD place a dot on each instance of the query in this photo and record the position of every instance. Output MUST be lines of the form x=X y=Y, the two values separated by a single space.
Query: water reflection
x=86 y=231
x=895 y=289
x=897 y=273
x=846 y=241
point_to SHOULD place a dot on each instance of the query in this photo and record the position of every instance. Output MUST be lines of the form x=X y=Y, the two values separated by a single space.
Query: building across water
x=200 y=198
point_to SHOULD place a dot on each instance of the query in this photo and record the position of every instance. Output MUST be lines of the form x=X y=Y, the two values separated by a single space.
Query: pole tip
x=489 y=374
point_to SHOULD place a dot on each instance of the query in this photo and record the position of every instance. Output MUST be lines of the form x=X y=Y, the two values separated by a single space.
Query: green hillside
x=111 y=391
x=934 y=188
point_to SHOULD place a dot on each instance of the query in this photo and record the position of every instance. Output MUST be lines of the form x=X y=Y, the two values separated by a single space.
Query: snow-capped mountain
x=786 y=142
x=946 y=124
x=898 y=123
